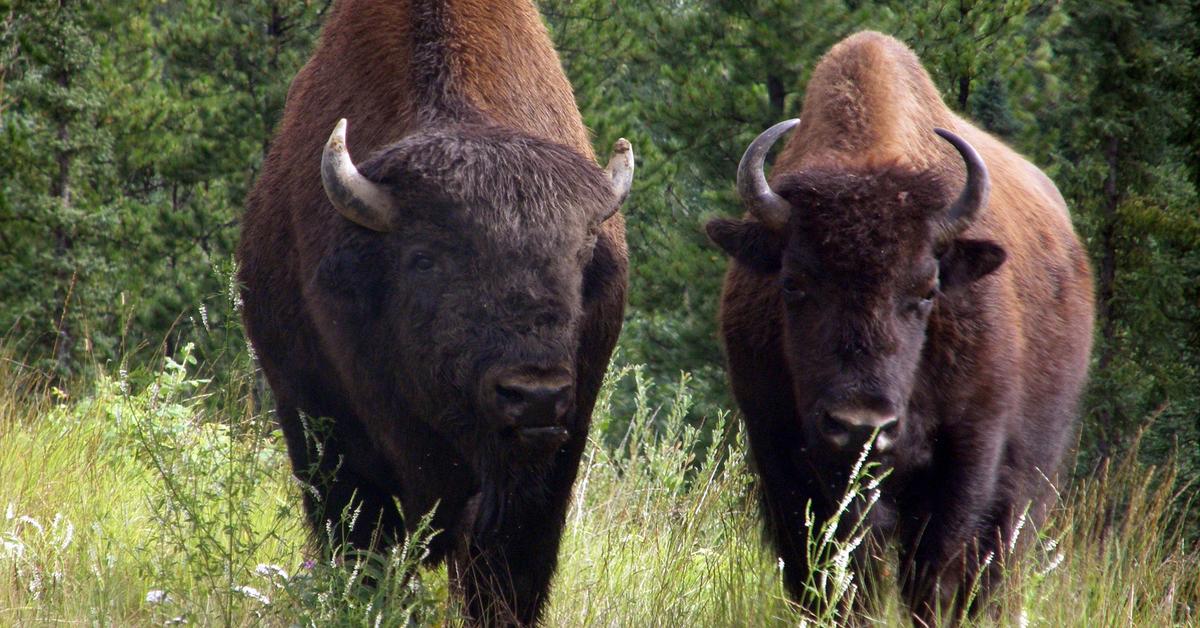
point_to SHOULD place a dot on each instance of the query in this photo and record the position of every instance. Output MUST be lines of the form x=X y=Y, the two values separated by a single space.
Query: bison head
x=863 y=259
x=456 y=296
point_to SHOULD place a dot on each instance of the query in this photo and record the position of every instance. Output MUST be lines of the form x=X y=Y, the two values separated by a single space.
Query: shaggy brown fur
x=383 y=349
x=979 y=346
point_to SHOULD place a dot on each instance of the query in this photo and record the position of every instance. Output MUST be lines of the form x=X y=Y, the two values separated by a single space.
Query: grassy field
x=157 y=498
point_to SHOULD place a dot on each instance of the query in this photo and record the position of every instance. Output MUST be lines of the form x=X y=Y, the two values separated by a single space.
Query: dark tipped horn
x=772 y=209
x=974 y=195
x=355 y=197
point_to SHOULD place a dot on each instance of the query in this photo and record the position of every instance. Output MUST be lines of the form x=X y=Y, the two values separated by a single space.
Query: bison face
x=861 y=261
x=460 y=302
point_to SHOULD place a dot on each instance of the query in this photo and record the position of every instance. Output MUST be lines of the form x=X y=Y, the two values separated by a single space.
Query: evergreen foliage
x=130 y=132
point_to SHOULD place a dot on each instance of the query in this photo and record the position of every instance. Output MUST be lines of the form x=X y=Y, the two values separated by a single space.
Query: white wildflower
x=987 y=561
x=1023 y=620
x=353 y=577
x=204 y=316
x=309 y=488
x=33 y=522
x=10 y=512
x=252 y=593
x=1058 y=559
x=94 y=562
x=780 y=563
x=354 y=517
x=35 y=584
x=271 y=571
x=156 y=596
x=1012 y=543
x=13 y=548
x=68 y=534
x=862 y=458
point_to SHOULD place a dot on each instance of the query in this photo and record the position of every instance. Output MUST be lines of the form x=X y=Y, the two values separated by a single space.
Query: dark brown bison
x=435 y=321
x=908 y=276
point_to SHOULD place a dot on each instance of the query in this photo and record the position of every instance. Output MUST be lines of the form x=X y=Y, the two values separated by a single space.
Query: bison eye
x=792 y=290
x=421 y=262
x=922 y=306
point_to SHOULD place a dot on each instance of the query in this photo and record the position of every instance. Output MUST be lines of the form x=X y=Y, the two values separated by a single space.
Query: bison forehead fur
x=863 y=224
x=507 y=184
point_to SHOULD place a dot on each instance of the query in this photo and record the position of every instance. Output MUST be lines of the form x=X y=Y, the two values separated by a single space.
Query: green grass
x=157 y=498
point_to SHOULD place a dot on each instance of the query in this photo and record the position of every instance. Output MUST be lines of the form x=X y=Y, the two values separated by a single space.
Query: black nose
x=525 y=402
x=851 y=427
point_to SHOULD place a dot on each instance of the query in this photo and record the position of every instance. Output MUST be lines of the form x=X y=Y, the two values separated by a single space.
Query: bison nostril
x=509 y=396
x=832 y=426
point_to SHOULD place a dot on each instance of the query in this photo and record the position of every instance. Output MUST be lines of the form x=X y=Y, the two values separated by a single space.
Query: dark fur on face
x=855 y=274
x=855 y=266
x=485 y=272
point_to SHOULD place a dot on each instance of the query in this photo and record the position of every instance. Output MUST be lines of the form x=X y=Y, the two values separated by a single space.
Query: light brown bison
x=905 y=275
x=435 y=321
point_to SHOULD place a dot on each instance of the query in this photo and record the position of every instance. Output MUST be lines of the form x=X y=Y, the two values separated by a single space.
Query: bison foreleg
x=960 y=539
x=503 y=574
x=344 y=510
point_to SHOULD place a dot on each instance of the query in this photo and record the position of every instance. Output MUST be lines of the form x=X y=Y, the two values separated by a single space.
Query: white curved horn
x=772 y=209
x=355 y=197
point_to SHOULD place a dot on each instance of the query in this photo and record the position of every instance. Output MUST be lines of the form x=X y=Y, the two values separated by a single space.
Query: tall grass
x=160 y=498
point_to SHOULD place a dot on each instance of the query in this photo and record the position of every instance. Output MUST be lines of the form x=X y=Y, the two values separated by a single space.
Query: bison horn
x=620 y=174
x=974 y=195
x=772 y=209
x=356 y=197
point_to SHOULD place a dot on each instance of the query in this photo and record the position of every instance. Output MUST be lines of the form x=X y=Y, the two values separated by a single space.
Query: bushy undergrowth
x=156 y=499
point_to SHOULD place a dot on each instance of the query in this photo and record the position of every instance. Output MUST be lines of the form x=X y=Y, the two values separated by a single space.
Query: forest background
x=131 y=131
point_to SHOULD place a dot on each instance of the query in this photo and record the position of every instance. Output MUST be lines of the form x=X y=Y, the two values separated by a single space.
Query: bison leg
x=941 y=593
x=503 y=576
x=344 y=510
x=951 y=563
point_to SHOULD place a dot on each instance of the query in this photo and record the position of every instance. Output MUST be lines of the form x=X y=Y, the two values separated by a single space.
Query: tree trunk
x=1109 y=416
x=776 y=93
x=60 y=189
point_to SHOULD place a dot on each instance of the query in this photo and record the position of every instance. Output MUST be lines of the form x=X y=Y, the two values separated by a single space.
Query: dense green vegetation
x=159 y=498
x=130 y=132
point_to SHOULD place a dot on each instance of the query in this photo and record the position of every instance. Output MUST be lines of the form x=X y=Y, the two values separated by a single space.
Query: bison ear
x=749 y=242
x=969 y=260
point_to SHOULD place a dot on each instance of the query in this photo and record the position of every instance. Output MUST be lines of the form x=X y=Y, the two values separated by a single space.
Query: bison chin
x=510 y=472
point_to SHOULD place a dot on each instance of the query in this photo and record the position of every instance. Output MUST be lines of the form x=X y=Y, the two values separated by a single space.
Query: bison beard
x=435 y=321
x=866 y=299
